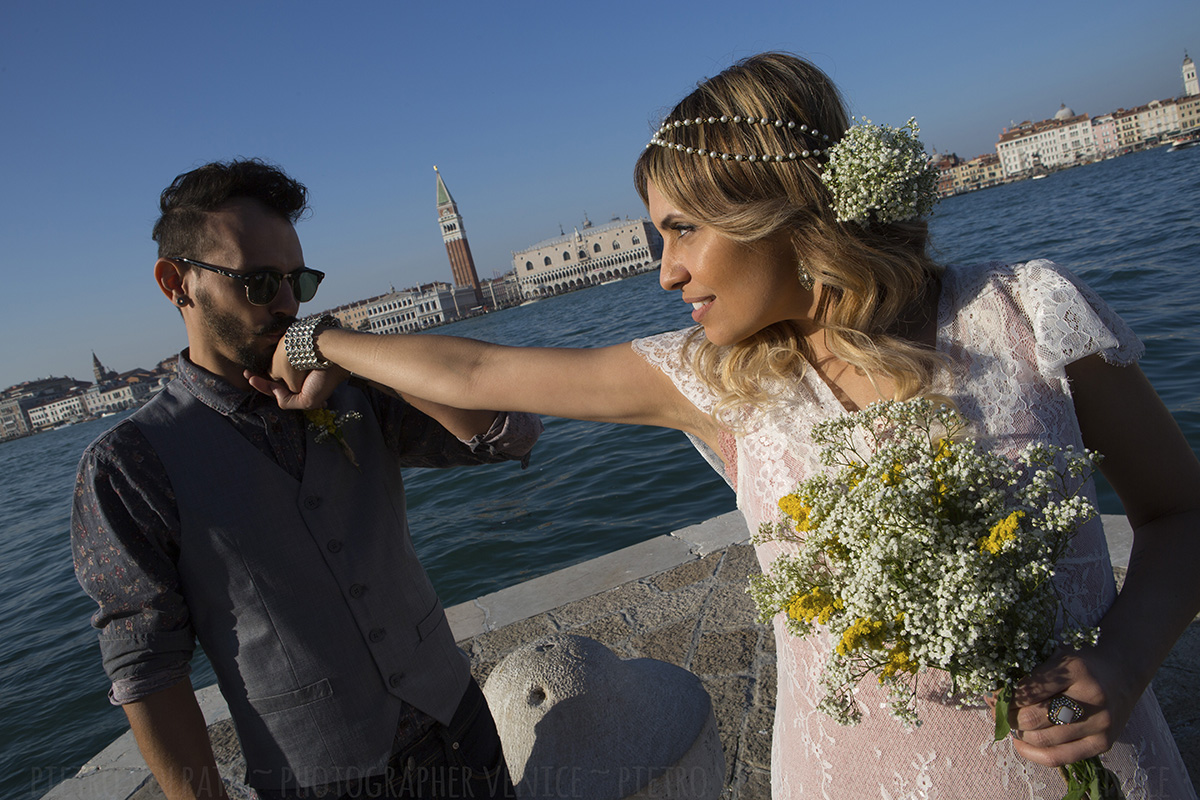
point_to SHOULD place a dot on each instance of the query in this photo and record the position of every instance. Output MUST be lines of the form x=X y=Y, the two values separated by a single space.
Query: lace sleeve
x=1070 y=321
x=665 y=351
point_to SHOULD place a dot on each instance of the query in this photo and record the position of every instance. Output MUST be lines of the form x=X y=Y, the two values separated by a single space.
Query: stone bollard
x=577 y=721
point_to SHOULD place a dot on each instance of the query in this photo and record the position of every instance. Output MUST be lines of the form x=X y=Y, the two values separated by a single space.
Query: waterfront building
x=944 y=163
x=1065 y=140
x=454 y=234
x=1191 y=86
x=14 y=417
x=355 y=316
x=18 y=403
x=501 y=291
x=978 y=173
x=71 y=408
x=420 y=307
x=1189 y=113
x=588 y=257
x=36 y=405
x=105 y=399
x=1104 y=131
x=1129 y=135
x=1158 y=120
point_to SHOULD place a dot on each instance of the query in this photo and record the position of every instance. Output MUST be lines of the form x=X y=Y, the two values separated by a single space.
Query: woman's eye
x=682 y=230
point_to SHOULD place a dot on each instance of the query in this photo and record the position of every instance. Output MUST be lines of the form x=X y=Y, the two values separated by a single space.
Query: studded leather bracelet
x=300 y=342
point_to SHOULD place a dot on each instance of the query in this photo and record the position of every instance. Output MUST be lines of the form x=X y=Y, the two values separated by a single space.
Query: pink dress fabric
x=1008 y=332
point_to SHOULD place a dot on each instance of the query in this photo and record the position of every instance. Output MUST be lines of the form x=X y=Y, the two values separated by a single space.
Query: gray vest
x=306 y=596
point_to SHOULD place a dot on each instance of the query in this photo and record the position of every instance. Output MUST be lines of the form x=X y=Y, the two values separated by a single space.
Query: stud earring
x=807 y=282
x=181 y=301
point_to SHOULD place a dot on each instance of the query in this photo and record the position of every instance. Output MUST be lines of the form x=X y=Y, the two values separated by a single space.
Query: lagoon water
x=1129 y=227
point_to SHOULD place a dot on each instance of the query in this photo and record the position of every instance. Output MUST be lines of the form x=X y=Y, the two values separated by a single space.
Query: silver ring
x=1064 y=711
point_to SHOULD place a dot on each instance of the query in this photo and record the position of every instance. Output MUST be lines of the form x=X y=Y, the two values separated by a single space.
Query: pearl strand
x=738 y=119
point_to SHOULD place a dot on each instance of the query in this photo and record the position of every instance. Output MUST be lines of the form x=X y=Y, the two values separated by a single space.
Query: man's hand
x=293 y=389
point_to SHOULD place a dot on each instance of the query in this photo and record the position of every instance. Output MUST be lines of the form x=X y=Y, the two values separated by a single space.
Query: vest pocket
x=302 y=696
x=431 y=621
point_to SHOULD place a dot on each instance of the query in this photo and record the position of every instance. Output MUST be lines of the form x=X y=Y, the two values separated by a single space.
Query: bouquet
x=917 y=549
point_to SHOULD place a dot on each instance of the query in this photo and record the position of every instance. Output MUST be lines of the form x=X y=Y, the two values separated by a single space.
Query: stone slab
x=715 y=534
x=108 y=784
x=1119 y=534
x=543 y=593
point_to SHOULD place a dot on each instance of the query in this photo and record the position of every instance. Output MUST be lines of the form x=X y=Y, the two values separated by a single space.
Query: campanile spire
x=455 y=237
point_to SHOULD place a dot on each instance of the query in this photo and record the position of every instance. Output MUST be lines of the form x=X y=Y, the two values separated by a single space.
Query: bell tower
x=101 y=373
x=455 y=237
x=1191 y=86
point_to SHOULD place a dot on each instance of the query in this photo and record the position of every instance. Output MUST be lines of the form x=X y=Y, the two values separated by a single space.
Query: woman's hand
x=1101 y=689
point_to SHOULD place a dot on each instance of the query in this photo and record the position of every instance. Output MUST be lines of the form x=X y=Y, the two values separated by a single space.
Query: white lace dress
x=1009 y=331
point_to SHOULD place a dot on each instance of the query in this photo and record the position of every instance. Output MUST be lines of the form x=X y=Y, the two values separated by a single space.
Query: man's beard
x=249 y=352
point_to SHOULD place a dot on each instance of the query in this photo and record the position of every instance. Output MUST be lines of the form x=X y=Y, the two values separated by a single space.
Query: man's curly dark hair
x=180 y=231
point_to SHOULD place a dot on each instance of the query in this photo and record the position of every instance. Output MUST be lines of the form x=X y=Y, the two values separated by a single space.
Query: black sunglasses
x=263 y=284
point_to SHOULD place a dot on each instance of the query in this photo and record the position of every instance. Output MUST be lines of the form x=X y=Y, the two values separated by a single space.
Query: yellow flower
x=836 y=550
x=1001 y=533
x=793 y=505
x=892 y=476
x=863 y=632
x=817 y=605
x=943 y=452
x=323 y=419
x=898 y=661
x=854 y=473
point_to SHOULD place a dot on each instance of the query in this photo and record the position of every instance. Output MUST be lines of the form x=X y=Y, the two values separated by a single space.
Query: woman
x=813 y=299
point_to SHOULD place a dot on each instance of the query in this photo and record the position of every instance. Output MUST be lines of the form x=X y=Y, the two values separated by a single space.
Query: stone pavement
x=696 y=615
x=678 y=598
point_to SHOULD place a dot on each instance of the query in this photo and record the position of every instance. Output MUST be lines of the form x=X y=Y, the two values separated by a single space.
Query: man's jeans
x=460 y=760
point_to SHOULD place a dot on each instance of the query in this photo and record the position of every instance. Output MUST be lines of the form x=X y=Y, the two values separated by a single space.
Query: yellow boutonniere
x=328 y=425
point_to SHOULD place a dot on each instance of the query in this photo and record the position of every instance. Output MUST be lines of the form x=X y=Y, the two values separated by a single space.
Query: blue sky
x=534 y=112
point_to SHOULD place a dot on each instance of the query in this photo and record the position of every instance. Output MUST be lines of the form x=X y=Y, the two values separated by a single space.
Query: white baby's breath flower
x=920 y=549
x=880 y=173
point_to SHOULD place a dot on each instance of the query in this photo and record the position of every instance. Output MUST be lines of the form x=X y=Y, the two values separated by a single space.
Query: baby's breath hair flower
x=880 y=173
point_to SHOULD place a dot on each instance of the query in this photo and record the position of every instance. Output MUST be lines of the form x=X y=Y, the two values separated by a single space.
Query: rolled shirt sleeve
x=512 y=434
x=125 y=547
x=419 y=440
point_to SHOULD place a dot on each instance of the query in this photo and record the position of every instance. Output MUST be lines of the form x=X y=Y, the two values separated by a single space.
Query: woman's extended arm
x=606 y=384
x=1151 y=466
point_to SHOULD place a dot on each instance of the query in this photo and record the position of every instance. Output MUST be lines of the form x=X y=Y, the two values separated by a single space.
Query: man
x=211 y=514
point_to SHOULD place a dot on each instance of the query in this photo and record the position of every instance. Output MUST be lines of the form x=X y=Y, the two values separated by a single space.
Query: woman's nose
x=671 y=273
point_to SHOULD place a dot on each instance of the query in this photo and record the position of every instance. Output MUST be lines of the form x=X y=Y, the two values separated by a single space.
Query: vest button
x=395 y=679
x=357 y=590
x=334 y=545
x=312 y=502
x=377 y=635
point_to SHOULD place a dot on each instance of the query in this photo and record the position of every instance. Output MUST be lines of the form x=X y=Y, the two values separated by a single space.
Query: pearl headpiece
x=764 y=158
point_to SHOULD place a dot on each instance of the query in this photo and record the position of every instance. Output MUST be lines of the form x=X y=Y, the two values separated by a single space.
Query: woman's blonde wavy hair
x=874 y=276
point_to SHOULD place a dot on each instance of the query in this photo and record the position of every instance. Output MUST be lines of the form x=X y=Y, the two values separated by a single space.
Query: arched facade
x=587 y=257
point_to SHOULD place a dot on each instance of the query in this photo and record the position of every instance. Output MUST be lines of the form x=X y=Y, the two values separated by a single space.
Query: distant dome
x=1064 y=112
